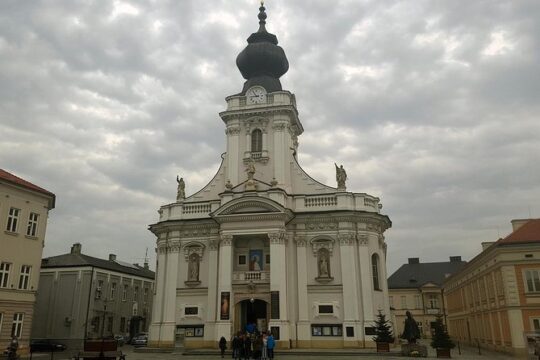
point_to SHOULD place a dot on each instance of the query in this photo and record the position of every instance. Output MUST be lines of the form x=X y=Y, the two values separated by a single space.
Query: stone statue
x=228 y=185
x=323 y=265
x=181 y=192
x=250 y=169
x=411 y=332
x=193 y=267
x=341 y=176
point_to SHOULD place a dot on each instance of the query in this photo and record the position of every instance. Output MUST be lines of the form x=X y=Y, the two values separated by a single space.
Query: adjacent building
x=24 y=210
x=494 y=300
x=264 y=243
x=417 y=287
x=81 y=296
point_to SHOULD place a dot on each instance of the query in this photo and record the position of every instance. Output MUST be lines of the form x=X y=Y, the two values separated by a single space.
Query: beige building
x=81 y=296
x=417 y=287
x=24 y=209
x=495 y=299
x=263 y=242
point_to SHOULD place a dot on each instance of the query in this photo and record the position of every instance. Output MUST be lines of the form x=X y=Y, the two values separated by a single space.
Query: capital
x=277 y=237
x=346 y=239
x=226 y=240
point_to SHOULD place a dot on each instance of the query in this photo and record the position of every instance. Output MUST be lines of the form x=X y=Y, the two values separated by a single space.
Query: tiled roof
x=527 y=233
x=9 y=177
x=413 y=276
x=79 y=260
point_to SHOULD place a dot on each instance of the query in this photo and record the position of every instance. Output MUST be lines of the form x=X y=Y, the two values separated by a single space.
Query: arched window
x=375 y=271
x=256 y=140
x=193 y=267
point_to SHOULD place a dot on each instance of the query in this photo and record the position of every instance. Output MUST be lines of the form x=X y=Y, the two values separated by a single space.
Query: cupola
x=262 y=62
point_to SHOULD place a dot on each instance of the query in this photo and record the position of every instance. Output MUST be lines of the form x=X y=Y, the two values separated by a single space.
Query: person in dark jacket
x=247 y=347
x=236 y=346
x=222 y=346
x=257 y=347
x=270 y=344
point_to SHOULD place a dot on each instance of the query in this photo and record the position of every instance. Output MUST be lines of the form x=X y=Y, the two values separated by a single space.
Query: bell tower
x=262 y=124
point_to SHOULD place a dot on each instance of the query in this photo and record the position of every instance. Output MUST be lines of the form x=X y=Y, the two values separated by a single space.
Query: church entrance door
x=252 y=314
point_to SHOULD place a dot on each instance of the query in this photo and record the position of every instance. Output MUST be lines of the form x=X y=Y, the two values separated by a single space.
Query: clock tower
x=263 y=245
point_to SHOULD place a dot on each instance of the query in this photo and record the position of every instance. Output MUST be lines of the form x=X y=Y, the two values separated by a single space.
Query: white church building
x=264 y=243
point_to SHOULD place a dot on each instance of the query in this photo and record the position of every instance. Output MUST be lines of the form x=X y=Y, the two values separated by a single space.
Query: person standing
x=270 y=344
x=264 y=350
x=222 y=346
x=236 y=346
x=257 y=347
x=247 y=347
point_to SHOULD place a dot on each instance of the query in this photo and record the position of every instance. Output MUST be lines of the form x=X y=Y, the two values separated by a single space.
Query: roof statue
x=181 y=191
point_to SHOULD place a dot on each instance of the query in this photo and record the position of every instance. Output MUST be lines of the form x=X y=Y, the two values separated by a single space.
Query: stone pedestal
x=414 y=350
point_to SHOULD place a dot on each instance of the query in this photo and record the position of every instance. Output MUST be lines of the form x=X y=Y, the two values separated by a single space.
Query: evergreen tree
x=383 y=331
x=441 y=339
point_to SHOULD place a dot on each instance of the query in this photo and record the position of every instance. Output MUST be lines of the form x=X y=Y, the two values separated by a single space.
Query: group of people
x=250 y=346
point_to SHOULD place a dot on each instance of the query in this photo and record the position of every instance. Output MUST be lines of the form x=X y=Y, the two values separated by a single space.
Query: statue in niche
x=341 y=176
x=181 y=191
x=250 y=169
x=324 y=264
x=193 y=267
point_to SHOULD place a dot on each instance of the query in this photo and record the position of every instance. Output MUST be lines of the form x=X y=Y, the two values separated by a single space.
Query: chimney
x=414 y=260
x=455 y=258
x=112 y=257
x=76 y=248
x=146 y=265
x=487 y=244
x=517 y=223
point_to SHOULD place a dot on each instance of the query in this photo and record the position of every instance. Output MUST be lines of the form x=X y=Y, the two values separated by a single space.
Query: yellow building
x=495 y=299
x=24 y=209
x=417 y=287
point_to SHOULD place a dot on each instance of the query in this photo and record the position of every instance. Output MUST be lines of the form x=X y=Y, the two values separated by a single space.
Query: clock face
x=256 y=95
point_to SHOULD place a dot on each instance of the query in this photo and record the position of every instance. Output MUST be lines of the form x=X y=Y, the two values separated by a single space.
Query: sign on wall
x=225 y=301
x=255 y=260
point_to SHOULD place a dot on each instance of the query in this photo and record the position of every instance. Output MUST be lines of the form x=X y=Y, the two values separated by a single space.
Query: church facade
x=263 y=243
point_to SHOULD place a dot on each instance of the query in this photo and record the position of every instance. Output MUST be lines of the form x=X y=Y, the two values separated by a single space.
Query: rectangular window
x=192 y=331
x=417 y=301
x=326 y=309
x=113 y=290
x=16 y=327
x=95 y=324
x=4 y=274
x=433 y=301
x=24 y=278
x=327 y=330
x=31 y=230
x=13 y=219
x=391 y=301
x=136 y=293
x=99 y=288
x=536 y=325
x=191 y=310
x=242 y=260
x=110 y=324
x=403 y=302
x=533 y=280
x=145 y=295
x=122 y=324
x=124 y=293
x=267 y=259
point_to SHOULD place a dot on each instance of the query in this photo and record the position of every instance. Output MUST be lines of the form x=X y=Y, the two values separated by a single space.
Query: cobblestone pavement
x=466 y=354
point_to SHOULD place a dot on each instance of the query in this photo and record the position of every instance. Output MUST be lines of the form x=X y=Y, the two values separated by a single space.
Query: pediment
x=250 y=206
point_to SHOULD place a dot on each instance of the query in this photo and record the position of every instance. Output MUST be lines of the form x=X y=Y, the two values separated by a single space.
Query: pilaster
x=304 y=328
x=224 y=323
x=366 y=284
x=347 y=243
x=233 y=148
x=278 y=281
x=209 y=333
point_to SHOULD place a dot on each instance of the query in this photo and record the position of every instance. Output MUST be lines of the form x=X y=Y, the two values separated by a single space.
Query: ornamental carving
x=363 y=239
x=277 y=237
x=213 y=244
x=226 y=240
x=300 y=241
x=193 y=248
x=233 y=130
x=280 y=126
x=322 y=243
x=346 y=239
x=321 y=226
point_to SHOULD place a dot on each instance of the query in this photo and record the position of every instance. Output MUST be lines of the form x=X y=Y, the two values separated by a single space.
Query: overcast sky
x=431 y=105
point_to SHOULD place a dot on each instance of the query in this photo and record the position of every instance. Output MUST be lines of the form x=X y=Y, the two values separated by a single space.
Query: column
x=304 y=328
x=347 y=243
x=209 y=333
x=233 y=144
x=279 y=151
x=278 y=286
x=224 y=313
x=366 y=284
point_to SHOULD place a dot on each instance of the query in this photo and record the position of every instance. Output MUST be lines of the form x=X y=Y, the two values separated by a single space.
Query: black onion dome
x=262 y=62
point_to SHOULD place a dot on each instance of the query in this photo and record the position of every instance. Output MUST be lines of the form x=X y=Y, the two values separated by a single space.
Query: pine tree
x=383 y=331
x=441 y=339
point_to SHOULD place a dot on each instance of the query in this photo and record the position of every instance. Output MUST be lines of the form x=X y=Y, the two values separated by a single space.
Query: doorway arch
x=251 y=311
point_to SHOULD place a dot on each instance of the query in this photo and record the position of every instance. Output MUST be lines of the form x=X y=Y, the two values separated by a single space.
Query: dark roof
x=526 y=233
x=79 y=260
x=15 y=180
x=416 y=275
